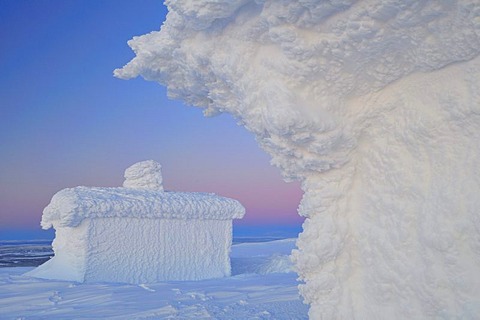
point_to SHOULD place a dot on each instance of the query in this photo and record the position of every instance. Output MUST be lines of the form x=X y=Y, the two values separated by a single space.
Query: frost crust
x=375 y=106
x=69 y=207
x=144 y=175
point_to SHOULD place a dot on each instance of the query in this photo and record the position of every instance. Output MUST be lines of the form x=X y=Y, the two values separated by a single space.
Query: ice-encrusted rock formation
x=138 y=233
x=375 y=106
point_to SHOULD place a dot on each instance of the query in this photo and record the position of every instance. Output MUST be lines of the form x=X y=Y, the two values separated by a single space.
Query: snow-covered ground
x=261 y=287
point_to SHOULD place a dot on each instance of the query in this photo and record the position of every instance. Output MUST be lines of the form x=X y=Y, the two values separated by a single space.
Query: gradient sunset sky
x=66 y=121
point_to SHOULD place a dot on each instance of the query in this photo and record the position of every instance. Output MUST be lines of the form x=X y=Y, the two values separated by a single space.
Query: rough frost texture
x=144 y=175
x=135 y=250
x=69 y=207
x=138 y=233
x=375 y=106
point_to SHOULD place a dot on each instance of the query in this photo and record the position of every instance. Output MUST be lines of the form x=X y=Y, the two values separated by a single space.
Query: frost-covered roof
x=69 y=207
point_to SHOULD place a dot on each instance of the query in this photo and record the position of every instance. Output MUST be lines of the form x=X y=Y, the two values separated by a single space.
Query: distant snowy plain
x=262 y=286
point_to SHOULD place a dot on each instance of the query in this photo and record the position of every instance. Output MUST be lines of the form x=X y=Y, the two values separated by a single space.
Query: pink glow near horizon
x=66 y=121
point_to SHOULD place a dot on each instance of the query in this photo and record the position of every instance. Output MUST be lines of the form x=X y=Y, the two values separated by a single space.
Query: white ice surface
x=243 y=296
x=69 y=207
x=135 y=250
x=375 y=106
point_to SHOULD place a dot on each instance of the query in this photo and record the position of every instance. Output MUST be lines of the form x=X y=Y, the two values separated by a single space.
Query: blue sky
x=66 y=121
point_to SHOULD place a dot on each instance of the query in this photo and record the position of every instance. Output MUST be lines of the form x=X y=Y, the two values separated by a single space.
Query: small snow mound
x=276 y=264
x=262 y=258
x=144 y=175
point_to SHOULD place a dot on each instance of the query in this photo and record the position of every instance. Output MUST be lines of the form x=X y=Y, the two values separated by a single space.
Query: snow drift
x=375 y=106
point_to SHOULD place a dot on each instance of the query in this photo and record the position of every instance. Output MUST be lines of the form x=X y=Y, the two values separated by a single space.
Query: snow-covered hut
x=138 y=233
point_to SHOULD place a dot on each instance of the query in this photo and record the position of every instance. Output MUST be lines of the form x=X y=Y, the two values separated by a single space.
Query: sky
x=66 y=121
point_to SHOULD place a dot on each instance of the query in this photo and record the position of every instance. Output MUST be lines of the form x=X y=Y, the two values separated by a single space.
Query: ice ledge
x=69 y=207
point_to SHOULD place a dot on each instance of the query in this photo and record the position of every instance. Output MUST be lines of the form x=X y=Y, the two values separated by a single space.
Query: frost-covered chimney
x=144 y=175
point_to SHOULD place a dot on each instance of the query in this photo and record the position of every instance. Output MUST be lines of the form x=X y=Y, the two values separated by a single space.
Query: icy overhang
x=69 y=207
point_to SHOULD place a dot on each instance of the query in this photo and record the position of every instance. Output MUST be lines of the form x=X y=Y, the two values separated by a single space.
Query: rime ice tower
x=138 y=233
x=375 y=106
